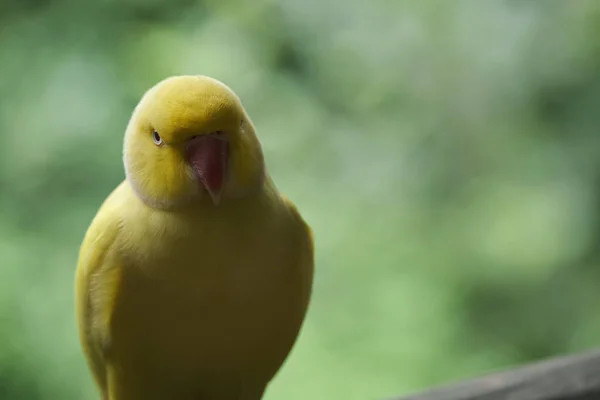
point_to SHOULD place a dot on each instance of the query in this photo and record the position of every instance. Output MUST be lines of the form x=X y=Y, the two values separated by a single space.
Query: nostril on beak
x=214 y=134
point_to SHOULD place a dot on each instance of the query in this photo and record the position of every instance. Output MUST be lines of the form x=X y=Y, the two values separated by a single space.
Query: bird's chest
x=206 y=304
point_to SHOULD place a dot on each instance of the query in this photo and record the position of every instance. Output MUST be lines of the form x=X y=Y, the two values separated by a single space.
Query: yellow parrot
x=195 y=275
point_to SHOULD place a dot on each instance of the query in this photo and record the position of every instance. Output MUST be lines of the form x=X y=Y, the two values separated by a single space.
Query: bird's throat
x=207 y=155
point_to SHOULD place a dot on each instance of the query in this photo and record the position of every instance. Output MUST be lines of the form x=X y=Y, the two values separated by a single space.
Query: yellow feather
x=178 y=298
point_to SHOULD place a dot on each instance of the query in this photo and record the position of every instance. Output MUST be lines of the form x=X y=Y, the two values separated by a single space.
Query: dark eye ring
x=156 y=138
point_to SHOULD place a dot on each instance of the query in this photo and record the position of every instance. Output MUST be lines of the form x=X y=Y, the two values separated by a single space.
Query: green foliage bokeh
x=446 y=154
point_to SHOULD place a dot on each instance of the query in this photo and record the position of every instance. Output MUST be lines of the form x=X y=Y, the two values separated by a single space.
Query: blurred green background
x=446 y=153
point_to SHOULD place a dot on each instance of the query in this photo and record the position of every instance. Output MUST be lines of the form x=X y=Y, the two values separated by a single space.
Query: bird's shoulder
x=299 y=224
x=103 y=231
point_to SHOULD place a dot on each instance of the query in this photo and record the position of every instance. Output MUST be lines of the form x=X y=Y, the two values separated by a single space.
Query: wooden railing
x=575 y=377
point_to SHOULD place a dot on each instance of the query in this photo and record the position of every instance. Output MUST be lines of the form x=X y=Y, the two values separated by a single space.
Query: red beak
x=207 y=155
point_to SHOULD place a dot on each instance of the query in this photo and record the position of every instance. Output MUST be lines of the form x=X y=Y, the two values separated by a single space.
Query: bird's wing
x=306 y=251
x=97 y=280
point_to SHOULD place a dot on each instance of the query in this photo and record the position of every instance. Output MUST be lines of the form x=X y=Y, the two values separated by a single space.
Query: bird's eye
x=156 y=138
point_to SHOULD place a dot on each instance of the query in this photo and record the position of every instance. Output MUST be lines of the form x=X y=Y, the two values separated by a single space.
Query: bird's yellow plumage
x=195 y=275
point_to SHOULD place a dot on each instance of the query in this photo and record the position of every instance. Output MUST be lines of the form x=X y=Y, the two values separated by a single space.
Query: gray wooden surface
x=574 y=377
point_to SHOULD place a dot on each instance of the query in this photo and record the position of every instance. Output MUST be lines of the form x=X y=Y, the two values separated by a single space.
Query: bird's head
x=190 y=139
